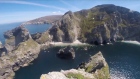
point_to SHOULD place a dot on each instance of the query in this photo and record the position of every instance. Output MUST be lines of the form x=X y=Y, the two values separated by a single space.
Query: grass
x=75 y=76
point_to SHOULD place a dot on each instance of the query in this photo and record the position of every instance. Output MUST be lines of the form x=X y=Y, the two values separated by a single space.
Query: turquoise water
x=123 y=60
x=31 y=28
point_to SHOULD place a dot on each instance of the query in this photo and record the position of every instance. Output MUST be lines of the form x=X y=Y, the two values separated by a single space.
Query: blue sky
x=24 y=10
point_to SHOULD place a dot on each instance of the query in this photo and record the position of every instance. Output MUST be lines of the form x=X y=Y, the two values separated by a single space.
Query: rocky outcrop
x=66 y=29
x=19 y=50
x=16 y=36
x=42 y=38
x=99 y=25
x=95 y=68
x=21 y=56
x=66 y=53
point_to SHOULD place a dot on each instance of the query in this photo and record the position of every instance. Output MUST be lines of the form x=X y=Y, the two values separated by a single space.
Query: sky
x=24 y=10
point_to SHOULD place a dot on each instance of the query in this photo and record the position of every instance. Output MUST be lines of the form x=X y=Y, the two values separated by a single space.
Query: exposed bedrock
x=21 y=50
x=66 y=53
x=15 y=36
x=66 y=29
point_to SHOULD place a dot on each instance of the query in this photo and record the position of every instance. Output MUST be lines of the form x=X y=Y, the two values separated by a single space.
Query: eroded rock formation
x=15 y=36
x=66 y=53
x=66 y=29
x=21 y=50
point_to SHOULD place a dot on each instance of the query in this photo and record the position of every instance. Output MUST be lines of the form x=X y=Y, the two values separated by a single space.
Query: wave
x=132 y=42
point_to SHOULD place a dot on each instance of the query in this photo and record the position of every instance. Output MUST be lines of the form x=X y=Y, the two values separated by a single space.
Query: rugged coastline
x=99 y=25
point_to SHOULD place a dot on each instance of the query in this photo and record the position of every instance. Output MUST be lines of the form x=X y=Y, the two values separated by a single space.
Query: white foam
x=77 y=42
x=132 y=42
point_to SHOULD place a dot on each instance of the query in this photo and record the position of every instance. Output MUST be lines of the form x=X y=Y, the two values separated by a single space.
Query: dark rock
x=66 y=53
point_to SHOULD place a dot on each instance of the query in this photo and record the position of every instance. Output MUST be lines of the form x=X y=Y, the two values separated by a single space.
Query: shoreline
x=75 y=43
x=131 y=42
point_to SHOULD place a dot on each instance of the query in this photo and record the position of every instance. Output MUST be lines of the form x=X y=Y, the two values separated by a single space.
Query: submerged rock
x=95 y=68
x=66 y=53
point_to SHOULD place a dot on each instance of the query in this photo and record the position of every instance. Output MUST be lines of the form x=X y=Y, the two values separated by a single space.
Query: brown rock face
x=65 y=29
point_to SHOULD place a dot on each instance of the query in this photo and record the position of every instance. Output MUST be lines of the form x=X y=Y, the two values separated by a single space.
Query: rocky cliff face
x=66 y=29
x=15 y=36
x=21 y=56
x=100 y=24
x=107 y=23
x=42 y=38
x=21 y=50
x=96 y=68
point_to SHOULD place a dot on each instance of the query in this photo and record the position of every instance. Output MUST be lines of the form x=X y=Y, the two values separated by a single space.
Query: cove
x=123 y=60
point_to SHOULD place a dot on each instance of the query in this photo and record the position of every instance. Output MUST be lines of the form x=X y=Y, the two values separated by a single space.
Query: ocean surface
x=123 y=58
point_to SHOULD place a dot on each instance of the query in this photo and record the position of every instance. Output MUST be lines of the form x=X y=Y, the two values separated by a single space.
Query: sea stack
x=66 y=53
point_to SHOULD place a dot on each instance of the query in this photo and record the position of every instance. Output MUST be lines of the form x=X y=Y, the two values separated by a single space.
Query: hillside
x=43 y=20
x=100 y=24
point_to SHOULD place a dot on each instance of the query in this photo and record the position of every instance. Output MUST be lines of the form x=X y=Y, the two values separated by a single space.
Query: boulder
x=66 y=53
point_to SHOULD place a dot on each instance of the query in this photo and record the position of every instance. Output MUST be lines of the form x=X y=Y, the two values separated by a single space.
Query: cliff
x=100 y=24
x=95 y=68
x=66 y=29
x=15 y=36
x=20 y=48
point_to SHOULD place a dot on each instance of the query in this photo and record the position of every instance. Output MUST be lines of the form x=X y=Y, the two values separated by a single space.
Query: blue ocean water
x=122 y=58
x=34 y=28
x=5 y=27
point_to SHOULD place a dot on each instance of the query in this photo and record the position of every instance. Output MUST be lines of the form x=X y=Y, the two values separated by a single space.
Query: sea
x=123 y=58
